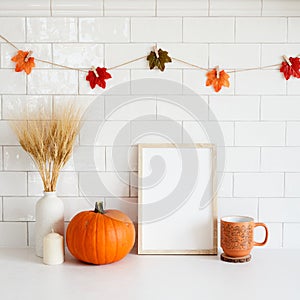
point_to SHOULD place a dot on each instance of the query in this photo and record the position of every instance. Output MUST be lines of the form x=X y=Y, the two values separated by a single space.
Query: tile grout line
x=51 y=8
x=2 y=158
x=27 y=236
x=258 y=209
x=285 y=133
x=282 y=234
x=260 y=159
x=78 y=33
x=78 y=184
x=78 y=83
x=27 y=183
x=284 y=184
x=26 y=29
x=287 y=29
x=156 y=108
x=2 y=214
x=182 y=37
x=129 y=185
x=130 y=30
x=2 y=115
x=233 y=184
x=105 y=157
x=234 y=30
x=259 y=109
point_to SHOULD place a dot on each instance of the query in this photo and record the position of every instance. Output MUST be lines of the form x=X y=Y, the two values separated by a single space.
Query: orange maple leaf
x=21 y=63
x=217 y=83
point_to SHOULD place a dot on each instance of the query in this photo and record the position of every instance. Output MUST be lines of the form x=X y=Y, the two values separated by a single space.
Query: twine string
x=126 y=63
x=190 y=64
x=9 y=42
x=252 y=69
x=59 y=65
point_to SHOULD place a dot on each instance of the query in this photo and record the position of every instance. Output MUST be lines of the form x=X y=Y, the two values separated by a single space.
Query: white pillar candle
x=53 y=248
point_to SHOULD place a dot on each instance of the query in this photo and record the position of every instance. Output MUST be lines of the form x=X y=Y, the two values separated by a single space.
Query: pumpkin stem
x=99 y=207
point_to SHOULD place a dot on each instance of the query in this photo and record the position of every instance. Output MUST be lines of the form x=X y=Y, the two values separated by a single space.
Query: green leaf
x=159 y=61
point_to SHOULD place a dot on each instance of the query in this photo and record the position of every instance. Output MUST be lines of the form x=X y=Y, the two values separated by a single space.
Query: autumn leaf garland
x=290 y=67
x=98 y=76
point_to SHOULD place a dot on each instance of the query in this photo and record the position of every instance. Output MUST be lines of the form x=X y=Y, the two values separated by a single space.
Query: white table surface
x=271 y=274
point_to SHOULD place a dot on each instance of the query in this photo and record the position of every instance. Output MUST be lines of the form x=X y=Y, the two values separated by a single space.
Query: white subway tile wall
x=261 y=29
x=77 y=7
x=258 y=115
x=260 y=82
x=14 y=209
x=196 y=30
x=10 y=84
x=182 y=8
x=13 y=234
x=235 y=8
x=104 y=30
x=238 y=206
x=136 y=8
x=53 y=82
x=13 y=183
x=258 y=184
x=28 y=8
x=1 y=211
x=275 y=235
x=293 y=25
x=8 y=27
x=235 y=159
x=16 y=159
x=292 y=87
x=156 y=29
x=289 y=240
x=78 y=55
x=280 y=8
x=229 y=55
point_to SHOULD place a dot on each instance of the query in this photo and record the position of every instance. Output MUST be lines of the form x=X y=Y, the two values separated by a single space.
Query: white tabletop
x=271 y=274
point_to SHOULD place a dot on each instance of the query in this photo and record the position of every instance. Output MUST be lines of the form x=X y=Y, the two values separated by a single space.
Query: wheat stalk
x=48 y=138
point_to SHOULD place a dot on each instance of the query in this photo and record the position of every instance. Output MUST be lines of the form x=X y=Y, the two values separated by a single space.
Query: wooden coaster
x=242 y=259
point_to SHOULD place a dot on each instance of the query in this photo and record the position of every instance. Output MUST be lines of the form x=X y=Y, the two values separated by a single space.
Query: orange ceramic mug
x=237 y=235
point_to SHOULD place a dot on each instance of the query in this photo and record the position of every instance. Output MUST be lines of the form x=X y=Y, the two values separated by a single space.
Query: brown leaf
x=159 y=61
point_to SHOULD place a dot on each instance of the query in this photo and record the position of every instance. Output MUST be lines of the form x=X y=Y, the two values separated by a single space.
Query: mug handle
x=267 y=234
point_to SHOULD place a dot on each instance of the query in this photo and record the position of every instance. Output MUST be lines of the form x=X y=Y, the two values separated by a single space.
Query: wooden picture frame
x=190 y=225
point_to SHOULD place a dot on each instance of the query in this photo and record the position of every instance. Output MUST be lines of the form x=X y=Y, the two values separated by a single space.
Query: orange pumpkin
x=100 y=236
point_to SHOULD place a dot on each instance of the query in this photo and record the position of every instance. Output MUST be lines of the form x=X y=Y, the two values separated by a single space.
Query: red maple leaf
x=22 y=62
x=291 y=70
x=217 y=82
x=100 y=80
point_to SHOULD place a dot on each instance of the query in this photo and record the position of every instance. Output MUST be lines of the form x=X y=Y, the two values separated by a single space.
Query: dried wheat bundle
x=49 y=138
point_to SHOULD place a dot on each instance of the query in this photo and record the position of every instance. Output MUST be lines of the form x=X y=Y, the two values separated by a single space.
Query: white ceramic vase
x=49 y=214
